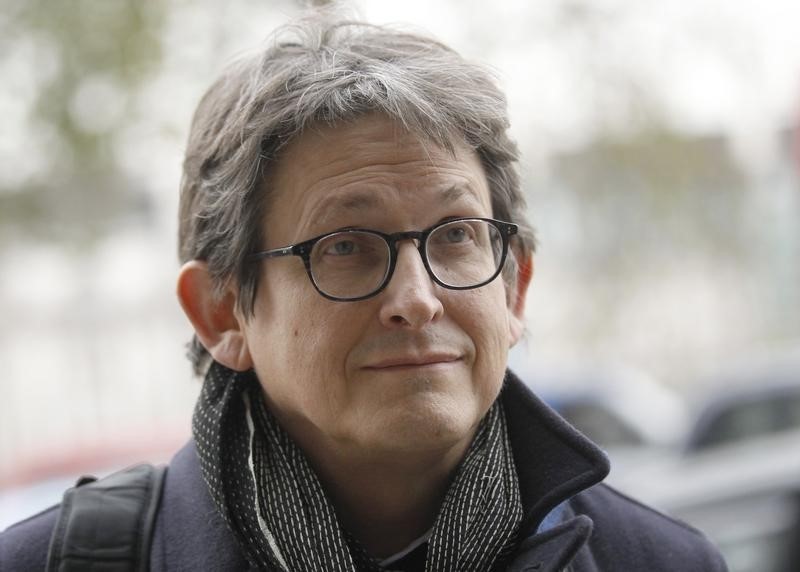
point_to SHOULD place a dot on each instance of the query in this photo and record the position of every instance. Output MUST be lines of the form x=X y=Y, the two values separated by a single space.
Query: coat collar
x=554 y=461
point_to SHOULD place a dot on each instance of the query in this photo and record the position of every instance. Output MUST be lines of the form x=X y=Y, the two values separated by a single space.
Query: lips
x=403 y=361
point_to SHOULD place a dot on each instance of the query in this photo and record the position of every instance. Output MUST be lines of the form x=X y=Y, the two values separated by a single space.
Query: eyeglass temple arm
x=274 y=253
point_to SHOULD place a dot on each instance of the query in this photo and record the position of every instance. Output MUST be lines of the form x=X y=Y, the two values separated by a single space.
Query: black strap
x=107 y=525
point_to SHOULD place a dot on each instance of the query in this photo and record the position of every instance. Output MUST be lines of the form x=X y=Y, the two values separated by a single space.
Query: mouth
x=413 y=362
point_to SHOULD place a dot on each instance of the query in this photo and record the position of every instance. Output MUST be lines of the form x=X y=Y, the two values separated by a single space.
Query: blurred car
x=748 y=405
x=737 y=477
x=627 y=413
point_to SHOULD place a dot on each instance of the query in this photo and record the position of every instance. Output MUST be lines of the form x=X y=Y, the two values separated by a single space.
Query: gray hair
x=320 y=70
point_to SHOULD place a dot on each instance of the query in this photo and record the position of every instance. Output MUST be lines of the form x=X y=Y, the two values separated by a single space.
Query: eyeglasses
x=357 y=263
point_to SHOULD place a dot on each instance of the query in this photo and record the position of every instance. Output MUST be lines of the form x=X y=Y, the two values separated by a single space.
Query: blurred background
x=661 y=159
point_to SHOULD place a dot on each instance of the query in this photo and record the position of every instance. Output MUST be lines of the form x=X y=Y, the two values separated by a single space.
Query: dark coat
x=571 y=522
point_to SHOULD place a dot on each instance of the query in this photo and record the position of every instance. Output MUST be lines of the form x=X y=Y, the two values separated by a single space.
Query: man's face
x=413 y=368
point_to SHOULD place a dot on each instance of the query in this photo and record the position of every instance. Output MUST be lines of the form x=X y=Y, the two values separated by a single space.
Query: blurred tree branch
x=91 y=60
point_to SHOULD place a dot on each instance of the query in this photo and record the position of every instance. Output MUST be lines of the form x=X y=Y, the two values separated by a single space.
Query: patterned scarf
x=278 y=511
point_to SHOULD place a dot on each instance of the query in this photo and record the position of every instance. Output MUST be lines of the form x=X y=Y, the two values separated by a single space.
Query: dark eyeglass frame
x=303 y=250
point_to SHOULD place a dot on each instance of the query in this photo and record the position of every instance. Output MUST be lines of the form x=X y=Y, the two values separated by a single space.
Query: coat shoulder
x=639 y=537
x=23 y=546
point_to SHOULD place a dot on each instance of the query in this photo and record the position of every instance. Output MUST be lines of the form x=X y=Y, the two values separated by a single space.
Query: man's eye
x=342 y=248
x=457 y=234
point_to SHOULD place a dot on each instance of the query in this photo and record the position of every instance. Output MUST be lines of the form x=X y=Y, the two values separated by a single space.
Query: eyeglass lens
x=351 y=264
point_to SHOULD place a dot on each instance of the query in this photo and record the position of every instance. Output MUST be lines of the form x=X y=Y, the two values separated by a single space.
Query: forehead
x=371 y=167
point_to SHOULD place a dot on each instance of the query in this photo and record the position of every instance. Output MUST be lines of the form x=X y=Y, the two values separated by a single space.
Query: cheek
x=322 y=339
x=300 y=361
x=486 y=317
x=296 y=317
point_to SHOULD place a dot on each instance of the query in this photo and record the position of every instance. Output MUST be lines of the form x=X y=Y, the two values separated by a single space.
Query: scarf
x=273 y=502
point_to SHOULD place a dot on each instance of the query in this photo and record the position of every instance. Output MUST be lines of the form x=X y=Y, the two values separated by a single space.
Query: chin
x=427 y=426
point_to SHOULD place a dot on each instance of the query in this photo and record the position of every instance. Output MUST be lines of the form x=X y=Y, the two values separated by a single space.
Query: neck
x=388 y=504
x=386 y=500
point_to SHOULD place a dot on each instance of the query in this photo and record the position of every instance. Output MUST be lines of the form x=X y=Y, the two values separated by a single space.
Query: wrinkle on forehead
x=365 y=201
x=354 y=171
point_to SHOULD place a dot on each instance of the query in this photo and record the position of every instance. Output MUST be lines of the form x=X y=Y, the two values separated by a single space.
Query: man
x=356 y=259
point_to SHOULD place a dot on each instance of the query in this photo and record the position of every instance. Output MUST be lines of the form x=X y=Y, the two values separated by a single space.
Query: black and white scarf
x=278 y=511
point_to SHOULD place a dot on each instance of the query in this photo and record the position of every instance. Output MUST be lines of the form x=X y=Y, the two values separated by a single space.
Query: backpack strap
x=107 y=525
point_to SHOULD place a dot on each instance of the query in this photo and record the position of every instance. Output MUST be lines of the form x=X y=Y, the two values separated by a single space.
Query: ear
x=516 y=303
x=216 y=320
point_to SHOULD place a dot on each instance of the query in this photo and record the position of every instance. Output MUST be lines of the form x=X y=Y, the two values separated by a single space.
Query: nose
x=410 y=299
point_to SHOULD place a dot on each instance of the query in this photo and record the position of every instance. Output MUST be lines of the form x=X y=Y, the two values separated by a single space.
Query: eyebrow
x=352 y=203
x=455 y=192
x=365 y=200
x=357 y=202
